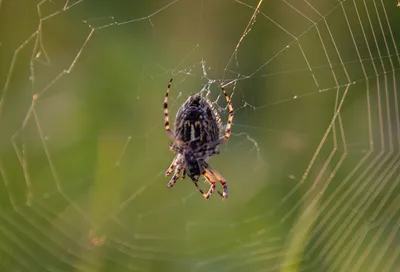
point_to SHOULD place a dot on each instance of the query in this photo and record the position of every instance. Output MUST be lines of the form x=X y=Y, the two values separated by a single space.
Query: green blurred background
x=312 y=165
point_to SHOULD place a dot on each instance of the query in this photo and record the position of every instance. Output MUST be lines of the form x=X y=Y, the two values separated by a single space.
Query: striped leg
x=230 y=118
x=174 y=163
x=166 y=115
x=198 y=187
x=210 y=151
x=211 y=180
x=219 y=177
x=221 y=180
x=174 y=147
x=175 y=176
x=184 y=173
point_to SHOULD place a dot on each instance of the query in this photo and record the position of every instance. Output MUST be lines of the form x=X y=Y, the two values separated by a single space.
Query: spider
x=198 y=132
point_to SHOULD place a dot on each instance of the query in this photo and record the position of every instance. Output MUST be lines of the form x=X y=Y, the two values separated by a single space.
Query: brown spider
x=198 y=132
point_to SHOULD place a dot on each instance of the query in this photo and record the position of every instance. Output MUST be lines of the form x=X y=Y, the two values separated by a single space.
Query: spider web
x=312 y=164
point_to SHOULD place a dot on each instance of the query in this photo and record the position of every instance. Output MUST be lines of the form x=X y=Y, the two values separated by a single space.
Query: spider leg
x=166 y=115
x=174 y=163
x=219 y=178
x=230 y=118
x=184 y=173
x=209 y=177
x=207 y=151
x=175 y=176
x=174 y=147
x=198 y=188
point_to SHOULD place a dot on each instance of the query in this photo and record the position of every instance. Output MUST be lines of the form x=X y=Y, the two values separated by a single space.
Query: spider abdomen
x=197 y=123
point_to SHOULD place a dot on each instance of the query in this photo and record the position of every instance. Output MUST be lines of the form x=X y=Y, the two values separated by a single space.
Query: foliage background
x=82 y=165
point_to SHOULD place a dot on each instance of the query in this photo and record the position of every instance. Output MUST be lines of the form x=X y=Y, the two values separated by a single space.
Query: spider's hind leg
x=230 y=118
x=166 y=114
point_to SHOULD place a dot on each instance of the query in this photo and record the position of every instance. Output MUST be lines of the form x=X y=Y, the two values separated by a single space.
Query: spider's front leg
x=175 y=147
x=223 y=183
x=173 y=165
x=176 y=175
x=219 y=178
x=184 y=173
x=211 y=180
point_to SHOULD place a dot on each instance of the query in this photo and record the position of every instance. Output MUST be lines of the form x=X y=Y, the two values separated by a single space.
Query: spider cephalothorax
x=198 y=132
